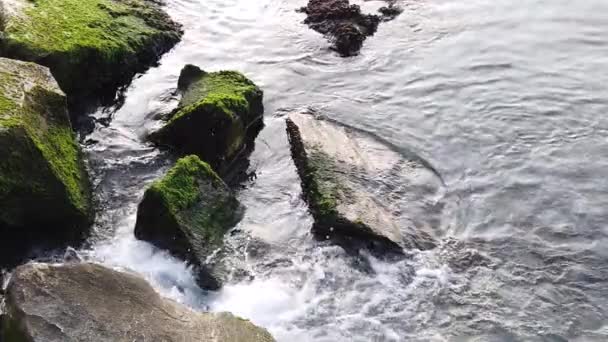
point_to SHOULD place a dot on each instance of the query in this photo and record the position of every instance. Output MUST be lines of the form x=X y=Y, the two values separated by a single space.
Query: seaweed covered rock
x=88 y=302
x=187 y=213
x=344 y=24
x=44 y=188
x=92 y=47
x=360 y=192
x=218 y=117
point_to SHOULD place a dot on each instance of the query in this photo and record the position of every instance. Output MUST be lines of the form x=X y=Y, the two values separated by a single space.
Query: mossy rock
x=88 y=302
x=342 y=172
x=218 y=116
x=44 y=188
x=92 y=47
x=187 y=213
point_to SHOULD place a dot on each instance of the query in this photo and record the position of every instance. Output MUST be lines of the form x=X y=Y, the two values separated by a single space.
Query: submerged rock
x=88 y=302
x=187 y=213
x=92 y=47
x=344 y=24
x=218 y=116
x=359 y=191
x=44 y=188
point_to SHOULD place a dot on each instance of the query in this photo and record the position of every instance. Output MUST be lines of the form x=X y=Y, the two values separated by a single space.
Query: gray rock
x=87 y=302
x=361 y=191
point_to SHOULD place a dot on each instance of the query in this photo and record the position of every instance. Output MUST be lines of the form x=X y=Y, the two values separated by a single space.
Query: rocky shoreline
x=91 y=51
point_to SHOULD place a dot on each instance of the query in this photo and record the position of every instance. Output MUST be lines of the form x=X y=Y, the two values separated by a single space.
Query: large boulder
x=344 y=24
x=187 y=213
x=44 y=188
x=88 y=302
x=361 y=192
x=92 y=47
x=218 y=117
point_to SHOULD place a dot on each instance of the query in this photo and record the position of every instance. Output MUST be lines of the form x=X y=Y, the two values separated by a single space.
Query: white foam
x=169 y=276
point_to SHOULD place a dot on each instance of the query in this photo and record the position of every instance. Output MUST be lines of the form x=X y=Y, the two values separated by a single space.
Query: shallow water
x=505 y=100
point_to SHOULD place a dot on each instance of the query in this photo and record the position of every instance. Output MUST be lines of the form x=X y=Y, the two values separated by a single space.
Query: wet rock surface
x=45 y=195
x=360 y=192
x=344 y=24
x=218 y=117
x=187 y=213
x=88 y=302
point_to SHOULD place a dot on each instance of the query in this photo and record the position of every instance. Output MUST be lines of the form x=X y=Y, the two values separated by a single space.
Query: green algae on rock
x=341 y=171
x=92 y=47
x=88 y=302
x=187 y=213
x=44 y=187
x=219 y=115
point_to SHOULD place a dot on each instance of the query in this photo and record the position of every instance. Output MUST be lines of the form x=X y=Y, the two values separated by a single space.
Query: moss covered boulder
x=218 y=116
x=92 y=47
x=44 y=189
x=361 y=192
x=187 y=213
x=88 y=302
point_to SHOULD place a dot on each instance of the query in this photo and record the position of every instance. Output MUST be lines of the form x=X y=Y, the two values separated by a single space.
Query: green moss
x=180 y=187
x=90 y=45
x=326 y=189
x=227 y=92
x=59 y=148
x=69 y=25
x=216 y=116
x=36 y=125
x=199 y=203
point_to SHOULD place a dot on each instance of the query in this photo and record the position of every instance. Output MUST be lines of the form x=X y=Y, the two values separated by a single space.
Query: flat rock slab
x=88 y=302
x=362 y=191
x=345 y=26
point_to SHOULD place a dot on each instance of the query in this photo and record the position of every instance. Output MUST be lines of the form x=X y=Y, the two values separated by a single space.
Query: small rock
x=390 y=12
x=217 y=119
x=187 y=213
x=71 y=256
